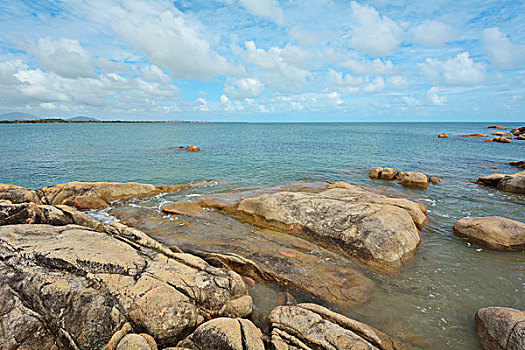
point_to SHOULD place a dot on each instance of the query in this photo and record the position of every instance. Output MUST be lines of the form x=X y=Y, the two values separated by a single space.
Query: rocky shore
x=68 y=281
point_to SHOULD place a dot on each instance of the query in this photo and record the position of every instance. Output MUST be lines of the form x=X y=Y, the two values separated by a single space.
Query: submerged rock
x=413 y=179
x=183 y=207
x=501 y=328
x=310 y=326
x=474 y=135
x=83 y=285
x=225 y=334
x=493 y=232
x=497 y=127
x=443 y=136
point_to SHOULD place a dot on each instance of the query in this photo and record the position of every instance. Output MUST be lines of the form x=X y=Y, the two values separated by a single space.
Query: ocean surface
x=430 y=304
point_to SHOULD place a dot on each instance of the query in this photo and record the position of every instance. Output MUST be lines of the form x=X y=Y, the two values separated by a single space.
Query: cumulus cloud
x=269 y=9
x=335 y=99
x=374 y=34
x=376 y=85
x=410 y=101
x=154 y=74
x=279 y=74
x=373 y=67
x=243 y=88
x=398 y=82
x=432 y=33
x=434 y=98
x=338 y=79
x=460 y=70
x=501 y=51
x=170 y=42
x=66 y=57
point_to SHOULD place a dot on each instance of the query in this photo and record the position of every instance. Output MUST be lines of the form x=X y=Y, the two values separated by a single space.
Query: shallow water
x=430 y=304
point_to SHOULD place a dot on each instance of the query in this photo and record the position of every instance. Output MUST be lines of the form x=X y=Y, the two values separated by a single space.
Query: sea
x=431 y=303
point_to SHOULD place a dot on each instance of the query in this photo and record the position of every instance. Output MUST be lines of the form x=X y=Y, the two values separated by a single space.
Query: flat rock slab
x=310 y=326
x=501 y=328
x=377 y=230
x=493 y=232
x=83 y=285
x=262 y=254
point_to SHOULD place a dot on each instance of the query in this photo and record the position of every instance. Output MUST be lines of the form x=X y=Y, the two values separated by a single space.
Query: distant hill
x=18 y=116
x=83 y=119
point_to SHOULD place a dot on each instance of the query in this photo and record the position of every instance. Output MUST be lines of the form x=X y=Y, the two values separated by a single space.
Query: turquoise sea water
x=433 y=299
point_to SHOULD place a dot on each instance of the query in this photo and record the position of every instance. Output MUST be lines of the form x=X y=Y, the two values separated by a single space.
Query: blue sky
x=264 y=60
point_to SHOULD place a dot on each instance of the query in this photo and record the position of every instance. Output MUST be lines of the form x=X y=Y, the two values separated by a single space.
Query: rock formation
x=313 y=327
x=503 y=182
x=493 y=232
x=501 y=328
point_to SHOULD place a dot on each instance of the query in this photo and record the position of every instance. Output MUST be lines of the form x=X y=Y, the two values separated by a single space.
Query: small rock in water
x=443 y=136
x=192 y=148
x=501 y=139
x=434 y=180
x=518 y=163
x=497 y=127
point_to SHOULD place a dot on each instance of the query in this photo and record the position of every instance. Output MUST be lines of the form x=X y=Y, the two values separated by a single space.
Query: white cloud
x=376 y=85
x=410 y=101
x=154 y=74
x=306 y=37
x=501 y=51
x=335 y=99
x=374 y=34
x=201 y=105
x=279 y=74
x=64 y=56
x=269 y=9
x=398 y=82
x=461 y=70
x=374 y=67
x=48 y=106
x=243 y=88
x=170 y=42
x=226 y=103
x=434 y=98
x=432 y=33
x=337 y=79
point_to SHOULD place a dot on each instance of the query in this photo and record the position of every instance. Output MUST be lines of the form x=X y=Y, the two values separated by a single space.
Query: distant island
x=27 y=118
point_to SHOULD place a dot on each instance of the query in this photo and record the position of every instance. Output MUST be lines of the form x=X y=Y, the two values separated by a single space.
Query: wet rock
x=183 y=207
x=310 y=326
x=497 y=127
x=192 y=148
x=89 y=202
x=388 y=173
x=375 y=173
x=84 y=285
x=501 y=139
x=508 y=183
x=518 y=131
x=518 y=163
x=488 y=141
x=377 y=230
x=413 y=179
x=493 y=232
x=520 y=137
x=285 y=298
x=18 y=194
x=443 y=136
x=225 y=334
x=474 y=135
x=434 y=180
x=30 y=213
x=501 y=133
x=501 y=328
x=105 y=191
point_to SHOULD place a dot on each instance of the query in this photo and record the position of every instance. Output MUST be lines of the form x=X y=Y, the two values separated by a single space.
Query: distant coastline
x=64 y=121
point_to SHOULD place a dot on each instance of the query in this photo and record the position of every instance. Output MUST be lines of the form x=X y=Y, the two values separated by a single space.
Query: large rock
x=225 y=334
x=508 y=183
x=412 y=179
x=518 y=163
x=313 y=327
x=378 y=230
x=82 y=285
x=18 y=194
x=383 y=173
x=501 y=328
x=518 y=131
x=30 y=213
x=493 y=232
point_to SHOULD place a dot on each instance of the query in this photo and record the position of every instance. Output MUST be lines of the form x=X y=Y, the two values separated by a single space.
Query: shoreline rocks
x=500 y=328
x=493 y=232
x=378 y=231
x=501 y=139
x=406 y=178
x=294 y=326
x=518 y=163
x=83 y=285
x=508 y=183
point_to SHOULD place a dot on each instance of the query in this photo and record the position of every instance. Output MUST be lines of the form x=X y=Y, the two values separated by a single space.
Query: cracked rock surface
x=76 y=287
x=501 y=328
x=313 y=327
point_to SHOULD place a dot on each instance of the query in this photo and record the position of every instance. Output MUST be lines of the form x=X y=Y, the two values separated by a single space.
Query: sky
x=264 y=60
